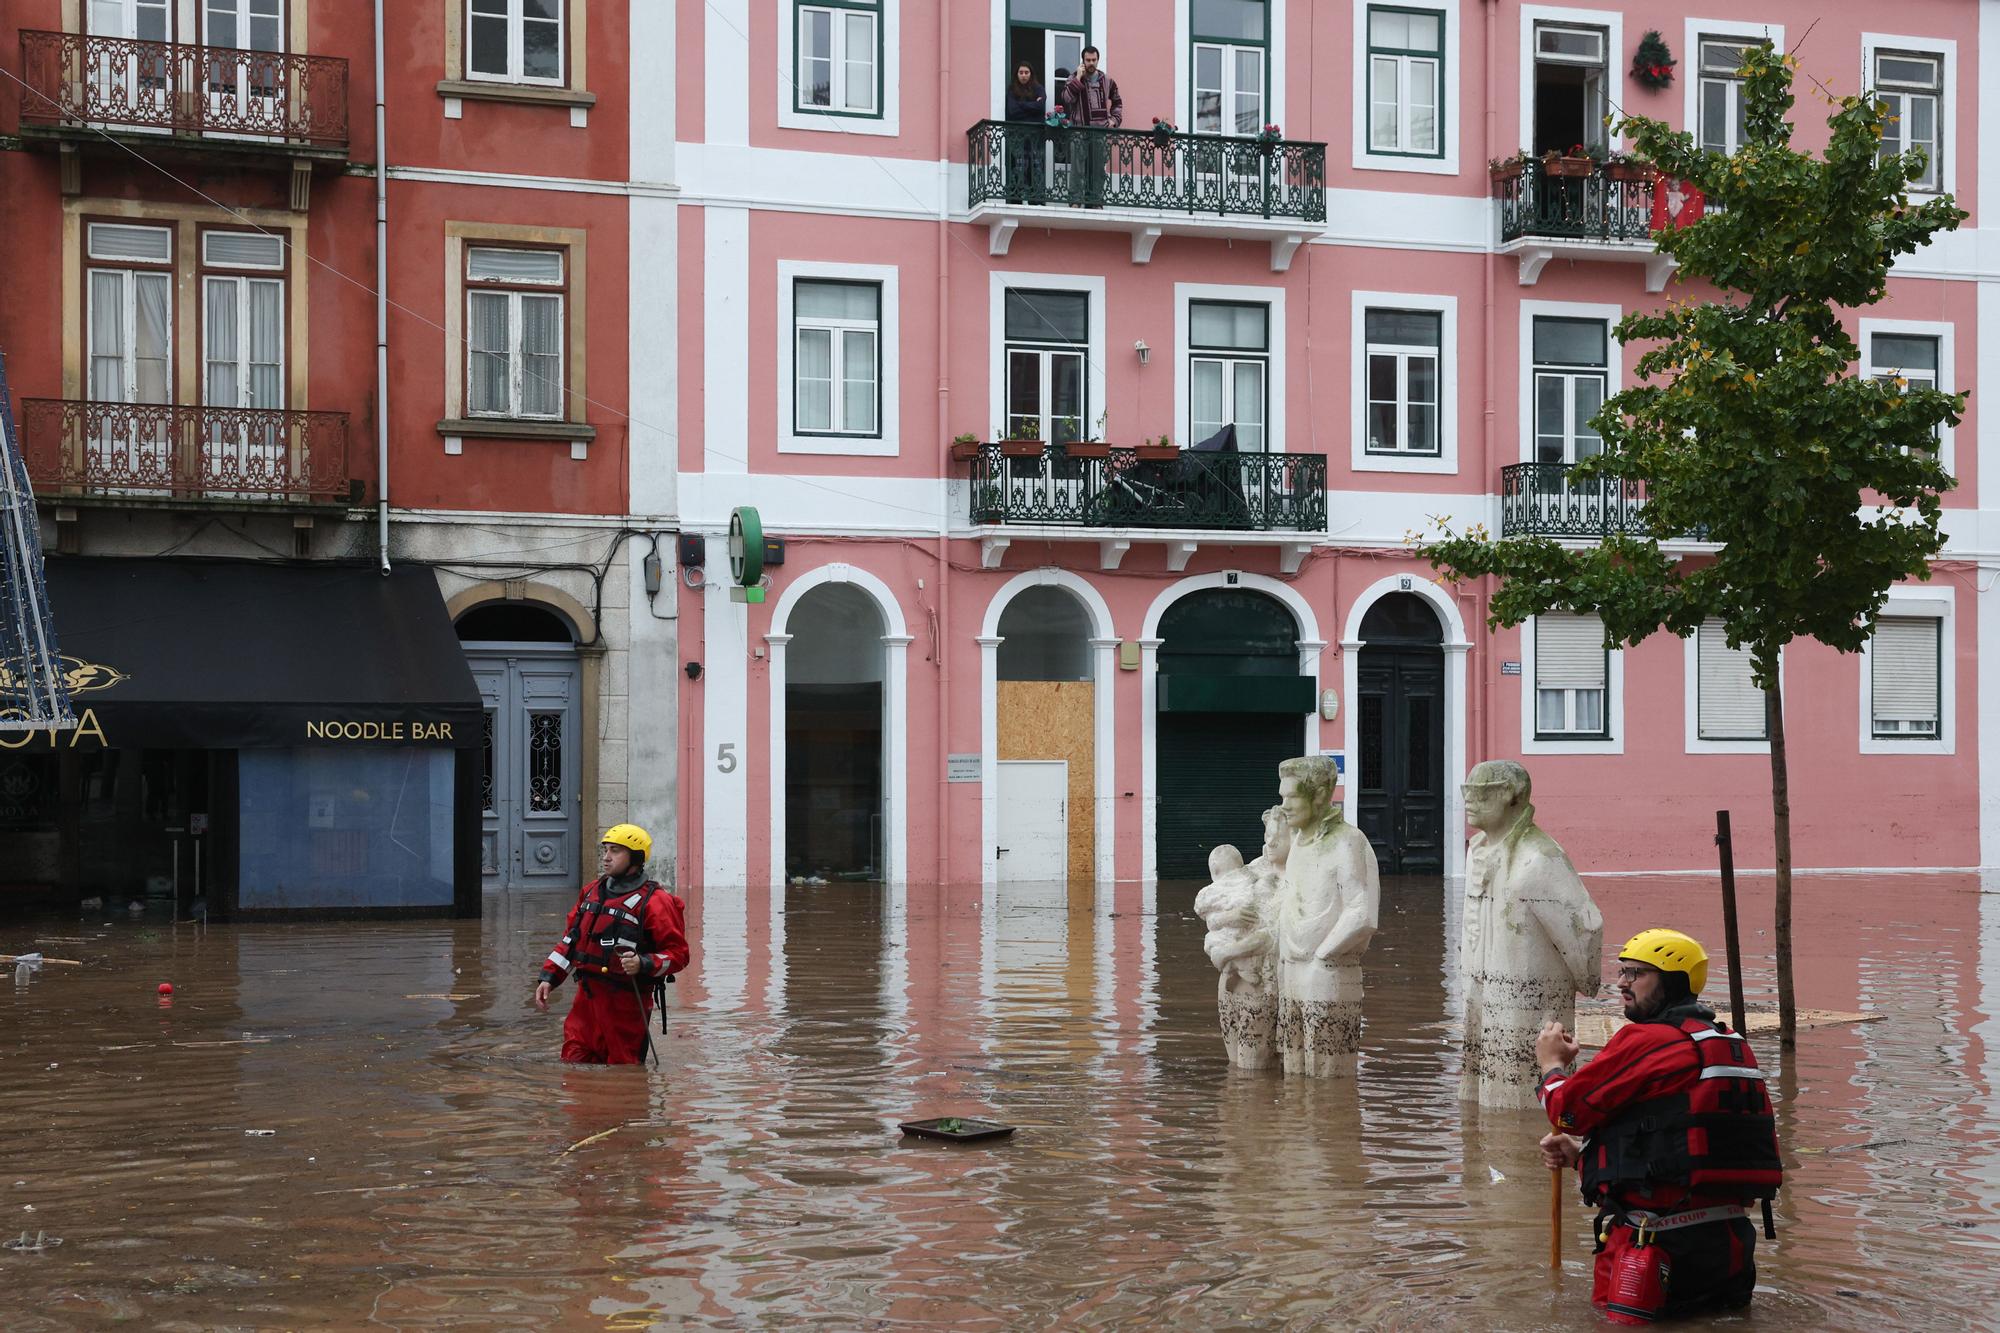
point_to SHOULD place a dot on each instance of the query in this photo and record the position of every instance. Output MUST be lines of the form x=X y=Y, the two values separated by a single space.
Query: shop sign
x=398 y=729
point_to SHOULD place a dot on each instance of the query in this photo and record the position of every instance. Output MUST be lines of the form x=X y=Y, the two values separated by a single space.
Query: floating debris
x=27 y=1244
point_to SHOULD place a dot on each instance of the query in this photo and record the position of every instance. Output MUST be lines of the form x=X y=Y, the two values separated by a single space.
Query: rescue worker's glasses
x=1628 y=975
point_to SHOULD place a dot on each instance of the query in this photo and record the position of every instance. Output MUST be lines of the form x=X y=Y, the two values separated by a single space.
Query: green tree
x=1749 y=428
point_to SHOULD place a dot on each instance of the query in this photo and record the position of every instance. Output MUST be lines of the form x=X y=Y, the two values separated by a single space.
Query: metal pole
x=382 y=304
x=1735 y=955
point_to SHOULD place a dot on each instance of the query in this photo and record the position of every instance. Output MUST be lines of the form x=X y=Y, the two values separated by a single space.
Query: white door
x=1034 y=820
x=243 y=365
x=131 y=362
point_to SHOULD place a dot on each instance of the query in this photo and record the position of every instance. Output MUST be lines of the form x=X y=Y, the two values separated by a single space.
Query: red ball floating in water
x=166 y=988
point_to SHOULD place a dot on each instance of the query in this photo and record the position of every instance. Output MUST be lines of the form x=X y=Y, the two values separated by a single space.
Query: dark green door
x=1399 y=735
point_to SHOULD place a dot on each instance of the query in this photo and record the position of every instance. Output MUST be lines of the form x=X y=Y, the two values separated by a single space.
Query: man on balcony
x=1091 y=100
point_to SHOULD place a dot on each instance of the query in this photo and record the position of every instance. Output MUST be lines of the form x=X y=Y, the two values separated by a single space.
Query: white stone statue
x=1532 y=938
x=1327 y=909
x=1238 y=909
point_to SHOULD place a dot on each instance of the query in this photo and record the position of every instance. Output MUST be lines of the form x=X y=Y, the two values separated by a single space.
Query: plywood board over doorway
x=1055 y=719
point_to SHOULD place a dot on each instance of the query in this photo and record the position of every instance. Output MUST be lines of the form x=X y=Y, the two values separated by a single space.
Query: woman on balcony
x=1027 y=110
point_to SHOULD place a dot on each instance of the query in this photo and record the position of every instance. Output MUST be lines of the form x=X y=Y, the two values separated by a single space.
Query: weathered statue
x=1532 y=938
x=1326 y=913
x=1238 y=909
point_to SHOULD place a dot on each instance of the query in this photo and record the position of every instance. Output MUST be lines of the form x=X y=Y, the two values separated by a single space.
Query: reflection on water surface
x=430 y=1164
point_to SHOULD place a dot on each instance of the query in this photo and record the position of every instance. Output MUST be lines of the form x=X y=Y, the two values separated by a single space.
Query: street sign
x=961 y=768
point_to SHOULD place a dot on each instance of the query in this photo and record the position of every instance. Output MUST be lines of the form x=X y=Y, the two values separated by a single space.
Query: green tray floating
x=956 y=1129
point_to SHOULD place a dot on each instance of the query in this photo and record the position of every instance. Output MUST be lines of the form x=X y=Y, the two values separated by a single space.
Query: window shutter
x=1732 y=707
x=1905 y=658
x=1569 y=652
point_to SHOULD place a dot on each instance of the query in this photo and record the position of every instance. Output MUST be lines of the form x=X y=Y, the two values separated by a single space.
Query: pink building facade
x=998 y=660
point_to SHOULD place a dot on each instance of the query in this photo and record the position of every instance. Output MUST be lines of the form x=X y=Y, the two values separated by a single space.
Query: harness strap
x=1647 y=1224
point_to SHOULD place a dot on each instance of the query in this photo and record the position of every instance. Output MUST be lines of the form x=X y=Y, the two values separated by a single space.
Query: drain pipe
x=381 y=307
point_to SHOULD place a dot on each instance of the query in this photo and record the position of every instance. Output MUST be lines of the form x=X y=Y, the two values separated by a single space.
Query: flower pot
x=1568 y=166
x=1021 y=448
x=1157 y=453
x=1629 y=171
x=964 y=451
x=1508 y=171
x=1087 y=449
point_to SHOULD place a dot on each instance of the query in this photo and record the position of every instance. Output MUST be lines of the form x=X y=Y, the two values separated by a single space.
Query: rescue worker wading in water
x=625 y=938
x=1677 y=1138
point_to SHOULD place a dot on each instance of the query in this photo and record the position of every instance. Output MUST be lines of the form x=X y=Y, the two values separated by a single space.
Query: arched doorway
x=835 y=761
x=1046 y=751
x=1231 y=708
x=1399 y=730
x=523 y=657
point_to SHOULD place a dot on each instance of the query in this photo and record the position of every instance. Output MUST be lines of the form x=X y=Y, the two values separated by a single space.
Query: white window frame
x=1873 y=43
x=888 y=442
x=1365 y=157
x=1936 y=600
x=1694 y=741
x=1185 y=293
x=241 y=283
x=1230 y=91
x=1726 y=30
x=1615 y=62
x=1614 y=707
x=885 y=120
x=517 y=361
x=1942 y=331
x=1445 y=462
x=516 y=47
x=1404 y=64
x=1093 y=352
x=1274 y=60
x=1614 y=356
x=1099 y=35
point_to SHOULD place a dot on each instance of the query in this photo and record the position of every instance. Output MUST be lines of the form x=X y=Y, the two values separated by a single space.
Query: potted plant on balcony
x=1269 y=138
x=1577 y=162
x=1019 y=443
x=1628 y=167
x=1087 y=449
x=1163 y=132
x=1509 y=168
x=964 y=447
x=1164 y=450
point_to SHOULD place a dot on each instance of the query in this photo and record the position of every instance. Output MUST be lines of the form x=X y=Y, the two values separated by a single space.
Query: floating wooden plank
x=1594 y=1030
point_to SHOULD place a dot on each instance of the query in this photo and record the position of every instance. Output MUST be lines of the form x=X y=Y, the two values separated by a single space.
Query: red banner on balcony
x=1676 y=203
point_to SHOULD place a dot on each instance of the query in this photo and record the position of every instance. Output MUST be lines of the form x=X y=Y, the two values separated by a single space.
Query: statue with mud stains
x=1239 y=909
x=1532 y=937
x=1327 y=909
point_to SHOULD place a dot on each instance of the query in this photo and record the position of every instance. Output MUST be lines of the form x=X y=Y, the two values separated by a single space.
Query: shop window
x=514 y=41
x=329 y=828
x=1403 y=350
x=1229 y=367
x=1572 y=677
x=514 y=341
x=1405 y=81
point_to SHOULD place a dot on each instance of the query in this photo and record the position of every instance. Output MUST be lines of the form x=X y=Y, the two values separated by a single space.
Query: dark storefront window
x=346 y=828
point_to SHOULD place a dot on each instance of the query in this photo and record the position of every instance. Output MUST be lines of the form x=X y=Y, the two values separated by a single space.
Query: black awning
x=234 y=654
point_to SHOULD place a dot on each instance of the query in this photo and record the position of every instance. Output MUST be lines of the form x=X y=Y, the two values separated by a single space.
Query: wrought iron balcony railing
x=1543 y=500
x=197 y=454
x=1247 y=492
x=1017 y=162
x=76 y=81
x=1609 y=204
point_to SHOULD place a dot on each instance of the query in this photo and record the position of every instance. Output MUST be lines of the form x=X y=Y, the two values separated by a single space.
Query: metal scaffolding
x=33 y=692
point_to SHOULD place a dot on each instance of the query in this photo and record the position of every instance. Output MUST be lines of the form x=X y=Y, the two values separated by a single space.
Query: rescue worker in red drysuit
x=1672 y=1130
x=624 y=938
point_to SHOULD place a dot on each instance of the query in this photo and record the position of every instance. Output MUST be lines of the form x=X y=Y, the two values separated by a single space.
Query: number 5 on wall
x=725 y=757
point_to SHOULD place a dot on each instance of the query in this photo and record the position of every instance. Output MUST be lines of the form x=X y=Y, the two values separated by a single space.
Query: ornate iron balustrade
x=73 y=80
x=1251 y=492
x=1018 y=162
x=1543 y=500
x=164 y=451
x=1597 y=207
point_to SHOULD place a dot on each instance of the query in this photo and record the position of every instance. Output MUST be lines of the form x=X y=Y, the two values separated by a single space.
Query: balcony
x=1144 y=183
x=1092 y=491
x=1601 y=212
x=163 y=455
x=80 y=90
x=1543 y=500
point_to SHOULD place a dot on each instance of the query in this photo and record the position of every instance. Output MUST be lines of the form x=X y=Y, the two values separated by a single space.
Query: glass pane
x=1715 y=115
x=1066 y=408
x=815 y=57
x=1059 y=317
x=859 y=62
x=1404 y=328
x=1904 y=354
x=1387 y=28
x=1569 y=342
x=1422 y=438
x=220 y=344
x=222 y=26
x=1589 y=397
x=107 y=337
x=857 y=402
x=541 y=350
x=155 y=339
x=1024 y=387
x=1383 y=104
x=1204 y=399
x=487 y=50
x=1424 y=32
x=1580 y=45
x=853 y=301
x=1423 y=106
x=1208 y=90
x=1249 y=104
x=1911 y=71
x=483 y=263
x=1550 y=438
x=541 y=50
x=1047 y=13
x=113 y=240
x=489 y=342
x=542 y=9
x=267 y=356
x=545 y=746
x=1382 y=378
x=1423 y=380
x=1227 y=324
x=1722 y=57
x=1240 y=20
x=1589 y=710
x=814 y=371
x=486 y=763
x=242 y=249
x=1549 y=711
x=1382 y=426
x=1249 y=394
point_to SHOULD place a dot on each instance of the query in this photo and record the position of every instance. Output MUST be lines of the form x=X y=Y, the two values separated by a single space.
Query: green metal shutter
x=1217 y=775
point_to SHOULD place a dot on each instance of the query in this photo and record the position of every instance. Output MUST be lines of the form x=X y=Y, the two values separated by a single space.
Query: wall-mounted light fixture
x=1145 y=352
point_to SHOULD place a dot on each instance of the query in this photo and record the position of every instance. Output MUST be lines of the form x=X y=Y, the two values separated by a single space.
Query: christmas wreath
x=1653 y=63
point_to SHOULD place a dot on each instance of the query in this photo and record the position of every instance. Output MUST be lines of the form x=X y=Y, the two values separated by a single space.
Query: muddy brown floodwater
x=366 y=1126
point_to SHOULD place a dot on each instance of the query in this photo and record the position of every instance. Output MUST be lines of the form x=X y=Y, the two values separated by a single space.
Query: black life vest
x=606 y=925
x=1717 y=1138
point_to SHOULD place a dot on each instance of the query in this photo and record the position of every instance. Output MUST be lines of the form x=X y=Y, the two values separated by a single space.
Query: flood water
x=366 y=1126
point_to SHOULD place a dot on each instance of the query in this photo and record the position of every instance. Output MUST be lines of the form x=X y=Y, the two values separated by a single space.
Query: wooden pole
x=1556 y=1219
x=1733 y=951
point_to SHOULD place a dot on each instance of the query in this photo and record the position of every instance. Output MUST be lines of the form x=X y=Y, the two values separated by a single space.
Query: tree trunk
x=1781 y=837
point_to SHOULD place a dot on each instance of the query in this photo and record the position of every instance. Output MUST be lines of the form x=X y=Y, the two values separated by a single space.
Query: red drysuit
x=608 y=1019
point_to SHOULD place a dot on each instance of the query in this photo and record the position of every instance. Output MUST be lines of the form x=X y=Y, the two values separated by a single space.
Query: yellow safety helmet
x=1670 y=951
x=629 y=835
